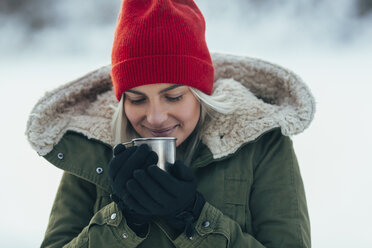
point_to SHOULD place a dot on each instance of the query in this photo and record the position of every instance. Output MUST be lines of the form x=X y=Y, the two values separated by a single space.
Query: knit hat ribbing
x=160 y=41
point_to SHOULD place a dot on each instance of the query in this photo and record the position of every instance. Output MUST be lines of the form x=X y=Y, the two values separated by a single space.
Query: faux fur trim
x=268 y=96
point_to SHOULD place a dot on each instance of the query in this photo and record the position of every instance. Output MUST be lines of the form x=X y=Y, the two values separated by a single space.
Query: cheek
x=132 y=114
x=191 y=112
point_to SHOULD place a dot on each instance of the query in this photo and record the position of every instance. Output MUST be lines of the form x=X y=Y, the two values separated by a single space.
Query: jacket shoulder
x=272 y=142
x=264 y=143
x=82 y=157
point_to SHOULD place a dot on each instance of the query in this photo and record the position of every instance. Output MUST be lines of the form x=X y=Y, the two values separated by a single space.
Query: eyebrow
x=162 y=91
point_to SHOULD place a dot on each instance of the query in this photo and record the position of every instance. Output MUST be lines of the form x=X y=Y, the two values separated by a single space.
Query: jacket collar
x=268 y=97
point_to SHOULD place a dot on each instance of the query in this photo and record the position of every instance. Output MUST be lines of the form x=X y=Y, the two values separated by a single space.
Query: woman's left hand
x=172 y=195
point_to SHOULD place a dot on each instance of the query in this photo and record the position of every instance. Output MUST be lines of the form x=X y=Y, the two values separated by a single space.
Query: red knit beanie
x=160 y=41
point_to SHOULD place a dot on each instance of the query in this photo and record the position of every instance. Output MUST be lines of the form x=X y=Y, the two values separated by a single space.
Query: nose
x=156 y=114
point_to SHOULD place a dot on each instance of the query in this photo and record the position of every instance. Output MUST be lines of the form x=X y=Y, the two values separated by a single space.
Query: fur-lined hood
x=269 y=96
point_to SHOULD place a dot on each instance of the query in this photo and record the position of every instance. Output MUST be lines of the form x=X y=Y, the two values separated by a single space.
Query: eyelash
x=171 y=99
x=174 y=99
x=136 y=102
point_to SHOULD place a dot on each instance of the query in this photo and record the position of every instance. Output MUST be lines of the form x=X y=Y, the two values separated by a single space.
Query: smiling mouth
x=163 y=132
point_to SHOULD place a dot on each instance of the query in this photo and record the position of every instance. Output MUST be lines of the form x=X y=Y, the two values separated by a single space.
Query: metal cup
x=165 y=148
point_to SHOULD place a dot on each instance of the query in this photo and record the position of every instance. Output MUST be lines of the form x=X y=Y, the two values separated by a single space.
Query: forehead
x=156 y=88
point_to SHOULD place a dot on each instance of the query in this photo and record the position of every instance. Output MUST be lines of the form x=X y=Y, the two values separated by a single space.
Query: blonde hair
x=210 y=105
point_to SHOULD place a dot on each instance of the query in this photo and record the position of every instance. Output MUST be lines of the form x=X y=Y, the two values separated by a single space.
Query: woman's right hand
x=121 y=167
x=125 y=161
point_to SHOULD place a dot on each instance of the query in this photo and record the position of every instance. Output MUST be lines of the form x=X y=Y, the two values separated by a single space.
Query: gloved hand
x=121 y=168
x=173 y=195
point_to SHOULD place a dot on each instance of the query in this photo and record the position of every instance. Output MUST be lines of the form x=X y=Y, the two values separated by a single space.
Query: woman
x=236 y=181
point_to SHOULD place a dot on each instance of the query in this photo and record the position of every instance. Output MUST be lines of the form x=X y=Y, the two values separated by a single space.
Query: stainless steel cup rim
x=165 y=147
x=154 y=138
x=146 y=139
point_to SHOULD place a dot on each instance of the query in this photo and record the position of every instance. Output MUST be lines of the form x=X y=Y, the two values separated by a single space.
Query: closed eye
x=174 y=99
x=137 y=101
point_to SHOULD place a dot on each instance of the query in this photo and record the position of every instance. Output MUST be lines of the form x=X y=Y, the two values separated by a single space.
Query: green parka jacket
x=245 y=165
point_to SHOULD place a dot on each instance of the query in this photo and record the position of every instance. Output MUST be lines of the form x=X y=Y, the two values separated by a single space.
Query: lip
x=164 y=132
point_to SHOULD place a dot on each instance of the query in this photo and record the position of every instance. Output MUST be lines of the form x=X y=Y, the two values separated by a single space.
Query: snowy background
x=44 y=44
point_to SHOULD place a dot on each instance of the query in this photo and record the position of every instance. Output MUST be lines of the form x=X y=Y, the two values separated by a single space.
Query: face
x=162 y=110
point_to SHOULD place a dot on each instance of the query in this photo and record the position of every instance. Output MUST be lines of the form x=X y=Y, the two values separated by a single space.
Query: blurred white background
x=44 y=44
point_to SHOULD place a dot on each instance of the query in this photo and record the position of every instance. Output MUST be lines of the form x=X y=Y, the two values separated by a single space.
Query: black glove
x=173 y=195
x=121 y=168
